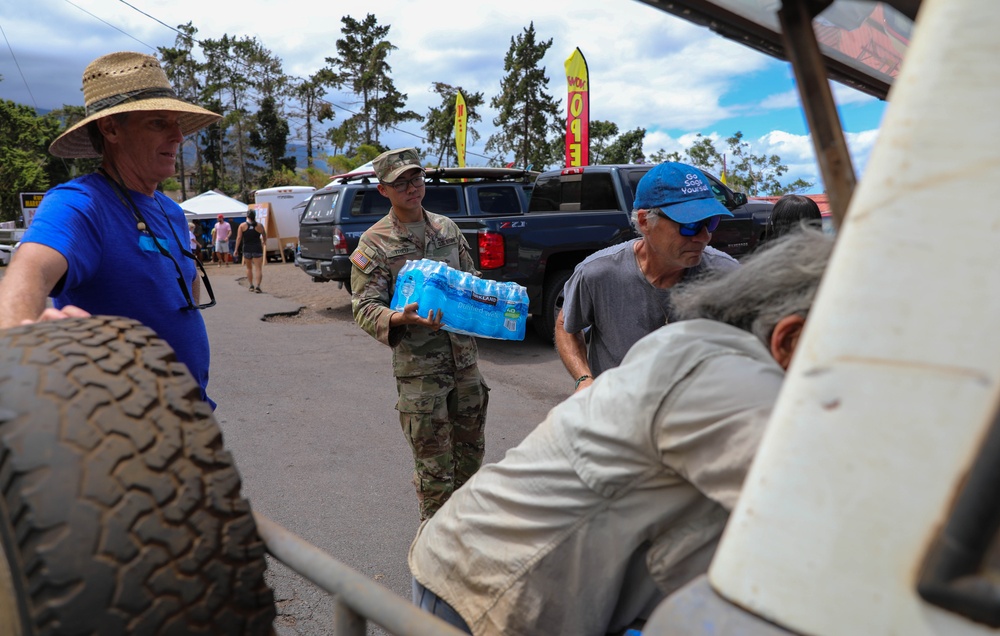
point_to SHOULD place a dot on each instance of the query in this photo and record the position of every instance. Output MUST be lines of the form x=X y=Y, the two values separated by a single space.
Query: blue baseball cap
x=680 y=190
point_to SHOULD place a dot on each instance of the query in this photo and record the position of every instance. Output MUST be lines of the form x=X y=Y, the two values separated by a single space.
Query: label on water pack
x=469 y=305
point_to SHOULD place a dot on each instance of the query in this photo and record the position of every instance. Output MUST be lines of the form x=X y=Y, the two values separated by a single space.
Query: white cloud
x=788 y=99
x=648 y=69
x=842 y=96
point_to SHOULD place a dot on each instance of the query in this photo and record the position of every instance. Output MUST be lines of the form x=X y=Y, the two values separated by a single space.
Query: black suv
x=338 y=214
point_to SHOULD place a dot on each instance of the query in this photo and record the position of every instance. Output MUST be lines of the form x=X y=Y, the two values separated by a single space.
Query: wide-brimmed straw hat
x=120 y=83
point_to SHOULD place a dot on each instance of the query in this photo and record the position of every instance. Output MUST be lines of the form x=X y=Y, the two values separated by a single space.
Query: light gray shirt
x=618 y=498
x=610 y=295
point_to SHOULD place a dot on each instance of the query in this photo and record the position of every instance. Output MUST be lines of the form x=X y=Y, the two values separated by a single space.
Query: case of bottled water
x=469 y=305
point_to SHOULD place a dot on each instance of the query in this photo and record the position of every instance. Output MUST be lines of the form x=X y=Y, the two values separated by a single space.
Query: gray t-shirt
x=609 y=294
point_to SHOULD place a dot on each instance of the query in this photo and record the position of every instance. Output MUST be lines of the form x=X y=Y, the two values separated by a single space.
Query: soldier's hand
x=434 y=321
x=411 y=316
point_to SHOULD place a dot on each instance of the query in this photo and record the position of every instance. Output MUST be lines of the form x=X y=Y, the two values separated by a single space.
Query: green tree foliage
x=362 y=67
x=440 y=122
x=184 y=71
x=602 y=134
x=24 y=140
x=662 y=155
x=529 y=116
x=61 y=170
x=627 y=147
x=608 y=146
x=242 y=72
x=702 y=153
x=270 y=136
x=314 y=109
x=342 y=163
x=756 y=175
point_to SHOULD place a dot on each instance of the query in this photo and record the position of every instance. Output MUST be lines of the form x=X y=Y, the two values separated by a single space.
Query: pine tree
x=314 y=109
x=528 y=114
x=362 y=67
x=183 y=71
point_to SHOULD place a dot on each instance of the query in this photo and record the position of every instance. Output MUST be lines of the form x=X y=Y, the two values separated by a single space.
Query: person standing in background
x=220 y=237
x=253 y=239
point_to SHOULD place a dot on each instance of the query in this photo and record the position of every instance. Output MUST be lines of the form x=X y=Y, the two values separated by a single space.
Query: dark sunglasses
x=694 y=229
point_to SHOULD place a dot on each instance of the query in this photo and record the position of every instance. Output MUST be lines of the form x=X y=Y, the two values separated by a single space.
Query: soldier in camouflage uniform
x=442 y=397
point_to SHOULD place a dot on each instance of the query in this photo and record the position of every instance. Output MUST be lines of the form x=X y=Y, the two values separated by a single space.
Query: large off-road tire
x=120 y=510
x=552 y=300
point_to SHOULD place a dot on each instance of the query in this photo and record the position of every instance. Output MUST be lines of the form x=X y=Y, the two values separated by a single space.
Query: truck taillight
x=339 y=241
x=491 y=254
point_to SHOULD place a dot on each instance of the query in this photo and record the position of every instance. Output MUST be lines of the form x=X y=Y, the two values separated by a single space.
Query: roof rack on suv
x=493 y=174
x=436 y=174
x=361 y=177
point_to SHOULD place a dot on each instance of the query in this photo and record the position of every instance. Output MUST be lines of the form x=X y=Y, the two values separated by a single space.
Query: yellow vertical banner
x=578 y=111
x=461 y=117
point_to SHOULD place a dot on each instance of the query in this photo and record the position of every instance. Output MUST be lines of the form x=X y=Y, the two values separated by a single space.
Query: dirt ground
x=321 y=302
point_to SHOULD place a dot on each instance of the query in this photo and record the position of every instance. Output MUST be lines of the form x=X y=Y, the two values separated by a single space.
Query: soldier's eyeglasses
x=405 y=184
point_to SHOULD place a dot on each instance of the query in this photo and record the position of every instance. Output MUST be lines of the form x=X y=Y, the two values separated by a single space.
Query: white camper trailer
x=283 y=224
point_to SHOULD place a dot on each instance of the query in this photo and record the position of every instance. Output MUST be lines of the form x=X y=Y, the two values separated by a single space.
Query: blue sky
x=647 y=68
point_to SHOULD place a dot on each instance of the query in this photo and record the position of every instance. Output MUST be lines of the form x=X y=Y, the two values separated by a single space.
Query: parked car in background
x=338 y=214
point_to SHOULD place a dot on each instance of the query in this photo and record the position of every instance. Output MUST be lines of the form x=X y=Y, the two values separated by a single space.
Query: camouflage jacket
x=382 y=251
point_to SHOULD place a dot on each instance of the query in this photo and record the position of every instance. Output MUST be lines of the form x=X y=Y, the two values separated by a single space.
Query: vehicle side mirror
x=739 y=199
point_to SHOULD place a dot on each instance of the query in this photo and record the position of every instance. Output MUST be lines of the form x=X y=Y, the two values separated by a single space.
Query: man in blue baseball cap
x=622 y=293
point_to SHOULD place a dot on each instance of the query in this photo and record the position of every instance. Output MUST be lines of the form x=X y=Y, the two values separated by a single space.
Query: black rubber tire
x=552 y=299
x=123 y=504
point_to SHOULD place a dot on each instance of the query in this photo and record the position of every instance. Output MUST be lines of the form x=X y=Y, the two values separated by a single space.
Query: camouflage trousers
x=443 y=417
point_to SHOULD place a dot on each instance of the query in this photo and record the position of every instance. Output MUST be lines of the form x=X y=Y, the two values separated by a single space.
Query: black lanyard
x=122 y=193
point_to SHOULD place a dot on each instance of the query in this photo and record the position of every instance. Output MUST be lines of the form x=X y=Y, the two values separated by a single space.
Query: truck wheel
x=120 y=510
x=552 y=300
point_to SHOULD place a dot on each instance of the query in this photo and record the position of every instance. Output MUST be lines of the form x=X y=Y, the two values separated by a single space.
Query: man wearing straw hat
x=108 y=242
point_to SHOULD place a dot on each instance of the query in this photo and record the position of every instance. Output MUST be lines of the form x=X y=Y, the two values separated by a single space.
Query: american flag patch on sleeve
x=359 y=259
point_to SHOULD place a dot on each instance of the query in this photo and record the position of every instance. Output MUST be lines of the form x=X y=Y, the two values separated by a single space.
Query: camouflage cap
x=392 y=163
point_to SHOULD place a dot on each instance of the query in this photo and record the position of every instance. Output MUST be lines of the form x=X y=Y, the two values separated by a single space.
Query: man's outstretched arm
x=573 y=352
x=32 y=274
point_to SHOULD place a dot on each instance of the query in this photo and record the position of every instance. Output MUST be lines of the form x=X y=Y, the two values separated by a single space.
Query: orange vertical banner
x=578 y=111
x=461 y=117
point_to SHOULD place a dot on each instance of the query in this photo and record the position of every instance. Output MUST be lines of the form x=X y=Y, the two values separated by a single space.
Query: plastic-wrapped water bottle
x=469 y=305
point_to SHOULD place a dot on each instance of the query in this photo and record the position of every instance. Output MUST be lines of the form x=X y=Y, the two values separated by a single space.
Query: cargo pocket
x=427 y=437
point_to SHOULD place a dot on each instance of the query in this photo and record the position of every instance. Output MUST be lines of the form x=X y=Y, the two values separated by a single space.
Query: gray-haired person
x=622 y=292
x=620 y=496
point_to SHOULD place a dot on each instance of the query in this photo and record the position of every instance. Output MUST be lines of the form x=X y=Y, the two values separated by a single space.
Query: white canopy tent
x=209 y=205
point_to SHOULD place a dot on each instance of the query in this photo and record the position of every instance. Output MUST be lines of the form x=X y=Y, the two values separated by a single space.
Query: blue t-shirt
x=116 y=270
